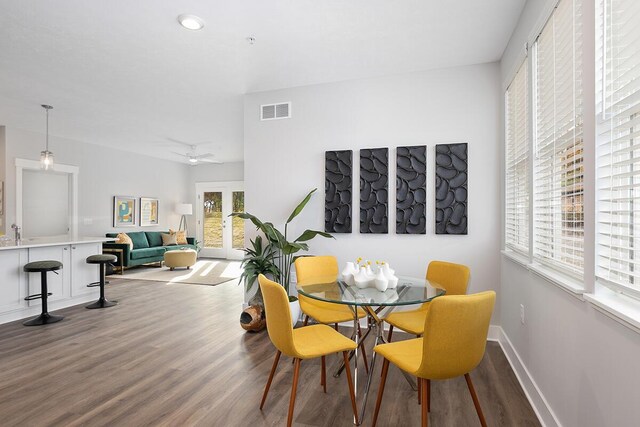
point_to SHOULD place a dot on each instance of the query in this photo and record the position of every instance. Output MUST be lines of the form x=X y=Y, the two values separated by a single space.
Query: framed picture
x=148 y=211
x=124 y=211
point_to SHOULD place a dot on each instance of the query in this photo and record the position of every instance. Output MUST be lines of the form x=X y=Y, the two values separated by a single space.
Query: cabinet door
x=13 y=283
x=82 y=273
x=58 y=284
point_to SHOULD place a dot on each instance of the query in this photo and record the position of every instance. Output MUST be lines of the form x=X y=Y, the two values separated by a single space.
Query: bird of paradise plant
x=280 y=241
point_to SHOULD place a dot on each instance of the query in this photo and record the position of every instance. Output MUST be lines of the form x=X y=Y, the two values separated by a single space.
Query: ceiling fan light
x=193 y=160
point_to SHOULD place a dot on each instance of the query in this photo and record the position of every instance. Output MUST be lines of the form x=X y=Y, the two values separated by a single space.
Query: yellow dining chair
x=324 y=269
x=454 y=278
x=455 y=337
x=304 y=343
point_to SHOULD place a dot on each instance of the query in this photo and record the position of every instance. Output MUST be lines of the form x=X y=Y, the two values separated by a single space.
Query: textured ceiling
x=126 y=75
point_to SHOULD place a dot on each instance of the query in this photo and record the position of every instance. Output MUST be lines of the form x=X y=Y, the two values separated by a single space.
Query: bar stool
x=101 y=260
x=42 y=267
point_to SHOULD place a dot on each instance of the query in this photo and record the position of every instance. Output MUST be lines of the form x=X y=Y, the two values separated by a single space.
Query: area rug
x=204 y=272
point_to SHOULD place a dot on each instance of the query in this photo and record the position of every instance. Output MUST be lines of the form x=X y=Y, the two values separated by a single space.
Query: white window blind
x=558 y=163
x=618 y=148
x=517 y=163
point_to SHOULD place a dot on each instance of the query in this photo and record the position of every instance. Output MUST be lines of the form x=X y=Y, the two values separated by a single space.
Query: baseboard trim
x=541 y=407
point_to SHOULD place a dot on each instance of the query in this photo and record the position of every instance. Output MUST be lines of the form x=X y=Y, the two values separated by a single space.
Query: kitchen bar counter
x=69 y=287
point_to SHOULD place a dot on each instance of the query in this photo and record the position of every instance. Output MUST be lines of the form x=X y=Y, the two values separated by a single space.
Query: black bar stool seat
x=101 y=260
x=42 y=267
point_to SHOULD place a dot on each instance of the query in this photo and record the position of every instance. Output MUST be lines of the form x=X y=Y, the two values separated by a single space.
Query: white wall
x=103 y=174
x=583 y=364
x=284 y=159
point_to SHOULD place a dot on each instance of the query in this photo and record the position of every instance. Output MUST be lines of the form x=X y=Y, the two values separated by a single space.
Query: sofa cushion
x=139 y=239
x=147 y=253
x=124 y=238
x=168 y=239
x=154 y=238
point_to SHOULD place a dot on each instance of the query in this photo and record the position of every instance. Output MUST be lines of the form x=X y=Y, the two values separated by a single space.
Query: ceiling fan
x=195 y=158
x=192 y=155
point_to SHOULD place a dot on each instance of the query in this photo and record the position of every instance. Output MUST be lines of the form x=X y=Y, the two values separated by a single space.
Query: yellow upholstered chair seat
x=327 y=313
x=406 y=355
x=318 y=340
x=303 y=343
x=453 y=278
x=410 y=321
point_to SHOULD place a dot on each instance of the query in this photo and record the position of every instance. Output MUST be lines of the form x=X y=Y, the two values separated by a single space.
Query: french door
x=221 y=235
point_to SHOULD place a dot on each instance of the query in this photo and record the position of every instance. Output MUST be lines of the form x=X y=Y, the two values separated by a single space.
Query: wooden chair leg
x=352 y=393
x=428 y=395
x=390 y=333
x=273 y=370
x=294 y=388
x=364 y=352
x=323 y=376
x=385 y=370
x=476 y=402
x=419 y=391
x=306 y=320
x=424 y=406
x=335 y=326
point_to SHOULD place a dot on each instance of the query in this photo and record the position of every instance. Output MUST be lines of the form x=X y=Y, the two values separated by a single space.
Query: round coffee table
x=180 y=258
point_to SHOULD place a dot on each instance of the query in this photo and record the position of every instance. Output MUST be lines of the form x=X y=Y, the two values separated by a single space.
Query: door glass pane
x=212 y=206
x=237 y=224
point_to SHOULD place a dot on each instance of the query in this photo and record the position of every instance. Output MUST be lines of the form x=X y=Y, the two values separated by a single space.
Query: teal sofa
x=147 y=247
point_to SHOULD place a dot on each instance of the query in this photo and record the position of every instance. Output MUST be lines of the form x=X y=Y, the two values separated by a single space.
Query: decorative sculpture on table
x=363 y=275
x=451 y=188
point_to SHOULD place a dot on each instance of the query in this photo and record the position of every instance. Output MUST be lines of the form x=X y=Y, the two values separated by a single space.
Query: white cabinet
x=13 y=283
x=84 y=273
x=68 y=287
x=59 y=285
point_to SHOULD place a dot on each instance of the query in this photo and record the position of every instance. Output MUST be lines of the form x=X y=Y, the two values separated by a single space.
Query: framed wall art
x=374 y=194
x=124 y=211
x=338 y=183
x=148 y=212
x=451 y=188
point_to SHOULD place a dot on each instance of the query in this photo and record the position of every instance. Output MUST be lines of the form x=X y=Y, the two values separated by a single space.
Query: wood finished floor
x=174 y=355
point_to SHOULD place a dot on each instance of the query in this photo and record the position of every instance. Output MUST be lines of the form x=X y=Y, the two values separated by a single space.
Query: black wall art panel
x=374 y=194
x=451 y=188
x=338 y=188
x=411 y=190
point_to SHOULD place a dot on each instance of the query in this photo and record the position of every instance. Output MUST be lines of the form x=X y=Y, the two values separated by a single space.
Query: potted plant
x=258 y=259
x=285 y=248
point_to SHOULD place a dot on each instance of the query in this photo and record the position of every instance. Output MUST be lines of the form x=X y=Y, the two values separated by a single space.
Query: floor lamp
x=184 y=209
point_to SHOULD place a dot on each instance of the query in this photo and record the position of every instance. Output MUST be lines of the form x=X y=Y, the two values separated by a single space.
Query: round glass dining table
x=409 y=291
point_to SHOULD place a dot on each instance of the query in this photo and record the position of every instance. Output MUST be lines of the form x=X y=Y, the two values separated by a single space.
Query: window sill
x=568 y=284
x=516 y=257
x=617 y=306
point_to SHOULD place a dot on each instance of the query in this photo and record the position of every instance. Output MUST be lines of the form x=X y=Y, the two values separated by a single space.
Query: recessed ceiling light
x=191 y=22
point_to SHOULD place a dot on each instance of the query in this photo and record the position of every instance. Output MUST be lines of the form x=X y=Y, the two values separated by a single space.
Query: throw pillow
x=124 y=238
x=168 y=239
x=181 y=236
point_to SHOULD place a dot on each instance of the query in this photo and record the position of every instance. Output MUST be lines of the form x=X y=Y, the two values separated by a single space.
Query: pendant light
x=46 y=156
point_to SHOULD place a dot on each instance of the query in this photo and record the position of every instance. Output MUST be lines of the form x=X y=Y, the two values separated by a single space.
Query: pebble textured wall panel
x=451 y=188
x=374 y=194
x=411 y=190
x=338 y=188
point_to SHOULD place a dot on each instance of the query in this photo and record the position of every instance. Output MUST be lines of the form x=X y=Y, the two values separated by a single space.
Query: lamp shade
x=184 y=209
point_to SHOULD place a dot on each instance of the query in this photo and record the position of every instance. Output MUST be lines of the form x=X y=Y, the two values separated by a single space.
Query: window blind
x=618 y=145
x=558 y=216
x=517 y=163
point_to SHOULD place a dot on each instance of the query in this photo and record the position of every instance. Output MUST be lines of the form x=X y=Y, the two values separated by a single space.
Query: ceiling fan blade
x=217 y=162
x=180 y=154
x=202 y=156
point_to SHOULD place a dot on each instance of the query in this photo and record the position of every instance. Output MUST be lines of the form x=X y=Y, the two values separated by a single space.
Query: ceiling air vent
x=275 y=111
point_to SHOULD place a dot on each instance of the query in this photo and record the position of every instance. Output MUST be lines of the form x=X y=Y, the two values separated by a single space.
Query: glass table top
x=409 y=291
